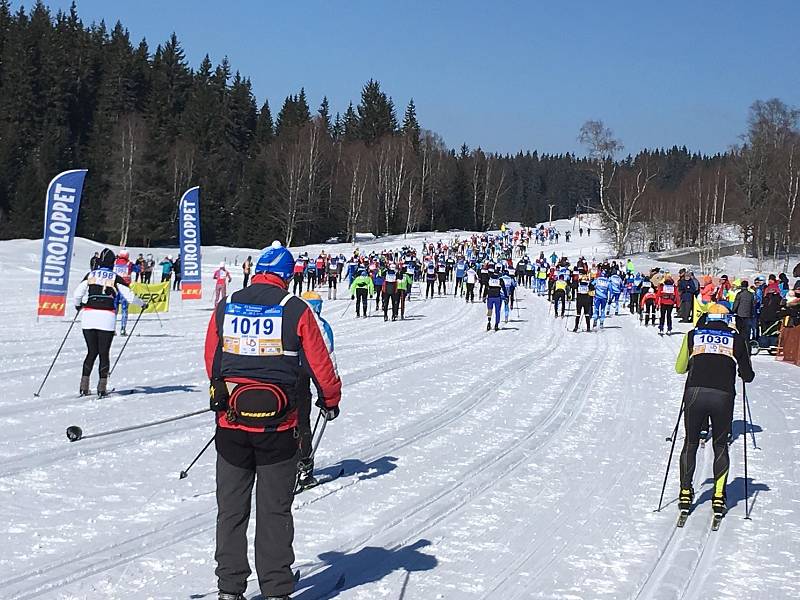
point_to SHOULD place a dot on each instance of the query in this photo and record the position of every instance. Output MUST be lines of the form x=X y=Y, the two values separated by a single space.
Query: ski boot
x=84 y=387
x=385 y=317
x=575 y=329
x=497 y=327
x=122 y=333
x=305 y=474
x=489 y=326
x=685 y=499
x=102 y=387
x=229 y=596
x=719 y=506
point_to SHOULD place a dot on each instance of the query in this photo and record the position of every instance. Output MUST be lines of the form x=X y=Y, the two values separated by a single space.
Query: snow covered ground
x=520 y=464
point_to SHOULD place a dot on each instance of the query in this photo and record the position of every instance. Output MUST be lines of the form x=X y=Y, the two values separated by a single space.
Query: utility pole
x=551 y=213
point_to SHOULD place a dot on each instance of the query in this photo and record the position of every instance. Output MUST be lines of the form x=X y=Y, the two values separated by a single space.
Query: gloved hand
x=218 y=395
x=352 y=297
x=79 y=307
x=144 y=306
x=330 y=412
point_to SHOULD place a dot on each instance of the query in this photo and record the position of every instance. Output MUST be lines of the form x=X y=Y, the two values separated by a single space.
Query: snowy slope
x=519 y=464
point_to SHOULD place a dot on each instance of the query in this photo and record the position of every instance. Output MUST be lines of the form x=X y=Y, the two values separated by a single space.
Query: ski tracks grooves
x=448 y=502
x=669 y=568
x=66 y=571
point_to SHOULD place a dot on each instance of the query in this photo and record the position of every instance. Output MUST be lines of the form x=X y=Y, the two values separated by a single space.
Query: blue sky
x=503 y=75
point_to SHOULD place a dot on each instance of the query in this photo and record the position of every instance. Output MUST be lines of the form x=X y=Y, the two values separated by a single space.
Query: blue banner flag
x=60 y=220
x=189 y=223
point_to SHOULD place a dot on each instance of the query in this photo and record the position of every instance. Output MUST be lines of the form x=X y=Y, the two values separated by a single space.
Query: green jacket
x=405 y=282
x=362 y=281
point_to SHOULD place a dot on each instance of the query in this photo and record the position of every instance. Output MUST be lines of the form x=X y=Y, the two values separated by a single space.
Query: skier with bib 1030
x=711 y=354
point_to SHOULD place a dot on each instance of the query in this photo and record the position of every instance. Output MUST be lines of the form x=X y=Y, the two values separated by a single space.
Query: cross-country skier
x=298 y=273
x=712 y=353
x=221 y=280
x=508 y=300
x=666 y=298
x=333 y=276
x=634 y=303
x=430 y=279
x=495 y=292
x=254 y=344
x=95 y=297
x=616 y=283
x=123 y=269
x=584 y=299
x=648 y=305
x=305 y=466
x=601 y=291
x=441 y=276
x=471 y=277
x=390 y=292
x=460 y=270
x=361 y=287
x=560 y=295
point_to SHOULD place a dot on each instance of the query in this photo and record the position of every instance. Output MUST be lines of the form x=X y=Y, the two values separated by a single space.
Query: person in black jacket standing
x=711 y=353
x=743 y=310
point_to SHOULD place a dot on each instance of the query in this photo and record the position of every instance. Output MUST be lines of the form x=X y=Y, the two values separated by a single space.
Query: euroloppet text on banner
x=189 y=223
x=60 y=220
x=155 y=294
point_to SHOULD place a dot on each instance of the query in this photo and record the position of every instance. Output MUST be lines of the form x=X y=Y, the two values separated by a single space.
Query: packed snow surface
x=525 y=463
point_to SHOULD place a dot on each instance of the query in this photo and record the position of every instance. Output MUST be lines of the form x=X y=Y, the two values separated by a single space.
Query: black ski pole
x=750 y=416
x=127 y=339
x=75 y=433
x=55 y=358
x=746 y=483
x=673 y=439
x=185 y=473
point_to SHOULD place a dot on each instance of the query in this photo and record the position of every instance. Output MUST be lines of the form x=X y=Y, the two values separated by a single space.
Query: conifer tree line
x=147 y=126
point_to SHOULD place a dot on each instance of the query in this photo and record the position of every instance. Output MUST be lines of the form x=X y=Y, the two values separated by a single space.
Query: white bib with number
x=708 y=341
x=102 y=277
x=669 y=289
x=583 y=288
x=391 y=277
x=252 y=330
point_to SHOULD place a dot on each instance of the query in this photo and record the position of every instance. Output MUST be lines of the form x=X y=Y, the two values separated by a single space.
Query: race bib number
x=121 y=270
x=583 y=288
x=713 y=342
x=391 y=277
x=494 y=282
x=669 y=289
x=252 y=330
x=442 y=269
x=102 y=277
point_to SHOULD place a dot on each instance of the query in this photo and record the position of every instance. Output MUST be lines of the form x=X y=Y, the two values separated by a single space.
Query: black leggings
x=559 y=297
x=583 y=305
x=361 y=300
x=700 y=404
x=666 y=314
x=98 y=342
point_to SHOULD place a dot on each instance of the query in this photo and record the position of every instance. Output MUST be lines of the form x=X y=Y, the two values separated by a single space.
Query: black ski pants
x=442 y=289
x=459 y=286
x=470 y=295
x=176 y=282
x=559 y=296
x=378 y=293
x=666 y=315
x=274 y=482
x=429 y=287
x=395 y=300
x=650 y=312
x=297 y=283
x=361 y=301
x=98 y=343
x=700 y=404
x=584 y=305
x=634 y=304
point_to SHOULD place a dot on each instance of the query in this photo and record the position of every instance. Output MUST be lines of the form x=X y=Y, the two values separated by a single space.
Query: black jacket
x=743 y=304
x=705 y=348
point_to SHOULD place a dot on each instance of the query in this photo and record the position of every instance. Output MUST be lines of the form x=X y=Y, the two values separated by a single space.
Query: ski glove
x=144 y=306
x=218 y=395
x=331 y=412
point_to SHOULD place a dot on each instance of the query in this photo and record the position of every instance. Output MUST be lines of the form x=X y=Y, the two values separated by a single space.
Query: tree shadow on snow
x=735 y=491
x=738 y=429
x=353 y=466
x=368 y=565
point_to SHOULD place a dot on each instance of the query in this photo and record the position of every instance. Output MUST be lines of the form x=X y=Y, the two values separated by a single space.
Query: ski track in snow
x=525 y=463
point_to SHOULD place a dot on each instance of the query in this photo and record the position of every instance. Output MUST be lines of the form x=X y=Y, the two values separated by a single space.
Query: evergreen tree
x=324 y=113
x=265 y=131
x=376 y=114
x=411 y=128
